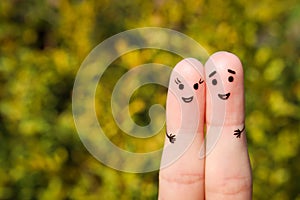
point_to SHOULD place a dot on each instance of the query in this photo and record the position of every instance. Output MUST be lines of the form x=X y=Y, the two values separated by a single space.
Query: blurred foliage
x=44 y=42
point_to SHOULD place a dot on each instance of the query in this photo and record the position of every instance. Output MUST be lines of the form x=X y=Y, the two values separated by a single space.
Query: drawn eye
x=181 y=86
x=214 y=82
x=196 y=86
x=230 y=79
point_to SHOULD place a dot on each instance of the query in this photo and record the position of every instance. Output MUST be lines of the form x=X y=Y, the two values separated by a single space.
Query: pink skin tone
x=224 y=172
x=227 y=170
x=225 y=82
x=185 y=120
x=185 y=104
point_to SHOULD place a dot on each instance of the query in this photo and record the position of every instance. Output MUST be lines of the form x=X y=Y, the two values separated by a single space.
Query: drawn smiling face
x=230 y=79
x=225 y=88
x=186 y=97
x=181 y=87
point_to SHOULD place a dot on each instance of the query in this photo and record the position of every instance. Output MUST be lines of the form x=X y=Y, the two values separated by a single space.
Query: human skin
x=220 y=169
x=227 y=170
x=185 y=120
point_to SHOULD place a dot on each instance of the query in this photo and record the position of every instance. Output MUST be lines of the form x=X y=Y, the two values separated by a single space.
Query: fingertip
x=190 y=67
x=225 y=83
x=225 y=137
x=186 y=97
x=182 y=172
x=224 y=59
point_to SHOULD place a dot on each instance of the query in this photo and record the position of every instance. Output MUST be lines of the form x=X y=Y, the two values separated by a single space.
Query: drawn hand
x=183 y=174
x=171 y=137
x=238 y=132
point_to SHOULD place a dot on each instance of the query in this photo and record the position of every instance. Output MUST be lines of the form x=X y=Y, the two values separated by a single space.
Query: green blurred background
x=43 y=44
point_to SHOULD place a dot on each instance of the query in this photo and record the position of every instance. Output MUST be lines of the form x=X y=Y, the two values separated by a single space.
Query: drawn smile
x=224 y=96
x=188 y=99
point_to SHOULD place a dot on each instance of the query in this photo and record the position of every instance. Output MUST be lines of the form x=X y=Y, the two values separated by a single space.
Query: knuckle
x=183 y=178
x=232 y=185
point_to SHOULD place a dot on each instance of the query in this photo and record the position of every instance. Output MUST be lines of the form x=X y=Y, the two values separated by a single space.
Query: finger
x=182 y=172
x=227 y=171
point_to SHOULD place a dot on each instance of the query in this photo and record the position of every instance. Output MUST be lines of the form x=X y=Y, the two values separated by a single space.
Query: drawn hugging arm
x=171 y=137
x=182 y=172
x=217 y=96
x=225 y=117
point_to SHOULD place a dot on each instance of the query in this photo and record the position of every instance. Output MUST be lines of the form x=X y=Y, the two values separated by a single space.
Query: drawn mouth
x=188 y=99
x=224 y=96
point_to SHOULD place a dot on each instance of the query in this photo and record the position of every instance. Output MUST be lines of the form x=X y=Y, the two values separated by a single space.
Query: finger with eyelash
x=182 y=172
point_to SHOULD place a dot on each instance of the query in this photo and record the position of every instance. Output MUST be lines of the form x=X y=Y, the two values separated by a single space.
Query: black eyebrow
x=177 y=81
x=231 y=71
x=211 y=74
